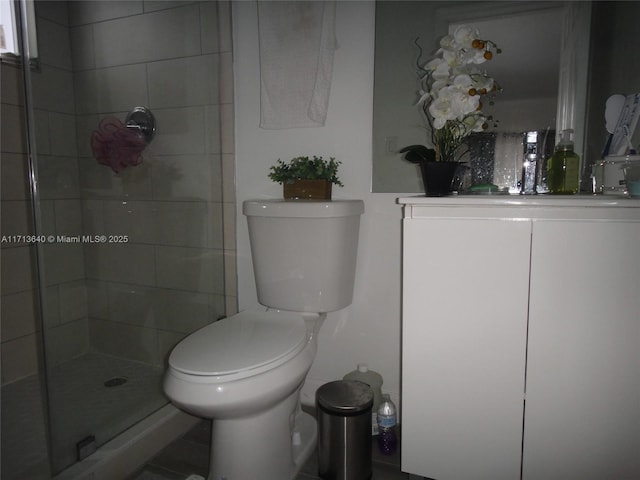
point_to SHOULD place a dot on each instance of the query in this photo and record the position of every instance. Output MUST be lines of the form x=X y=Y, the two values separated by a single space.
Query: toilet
x=245 y=371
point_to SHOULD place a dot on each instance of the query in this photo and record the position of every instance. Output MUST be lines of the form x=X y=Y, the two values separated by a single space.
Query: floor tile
x=190 y=455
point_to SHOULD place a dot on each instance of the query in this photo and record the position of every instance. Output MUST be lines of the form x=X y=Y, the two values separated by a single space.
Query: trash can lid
x=345 y=397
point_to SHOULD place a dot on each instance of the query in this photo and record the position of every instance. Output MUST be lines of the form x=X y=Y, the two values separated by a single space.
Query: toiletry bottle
x=563 y=168
x=374 y=380
x=529 y=180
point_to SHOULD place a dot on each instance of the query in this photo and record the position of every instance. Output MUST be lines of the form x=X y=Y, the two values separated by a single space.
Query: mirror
x=542 y=70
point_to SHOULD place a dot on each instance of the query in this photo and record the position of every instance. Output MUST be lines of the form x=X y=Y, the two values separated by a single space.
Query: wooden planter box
x=307 y=189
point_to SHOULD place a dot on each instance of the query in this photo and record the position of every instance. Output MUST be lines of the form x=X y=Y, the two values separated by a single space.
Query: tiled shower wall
x=176 y=270
x=65 y=312
x=19 y=325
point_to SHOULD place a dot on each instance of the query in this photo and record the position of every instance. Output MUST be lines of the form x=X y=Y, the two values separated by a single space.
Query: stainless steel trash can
x=344 y=430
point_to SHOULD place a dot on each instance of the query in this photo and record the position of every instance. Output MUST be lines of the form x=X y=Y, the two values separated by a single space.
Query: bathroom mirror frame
x=390 y=173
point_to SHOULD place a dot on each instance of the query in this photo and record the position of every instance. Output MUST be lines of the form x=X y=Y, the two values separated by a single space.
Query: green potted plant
x=306 y=178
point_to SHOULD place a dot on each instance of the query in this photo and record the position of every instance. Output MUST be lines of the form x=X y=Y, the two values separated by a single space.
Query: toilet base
x=272 y=445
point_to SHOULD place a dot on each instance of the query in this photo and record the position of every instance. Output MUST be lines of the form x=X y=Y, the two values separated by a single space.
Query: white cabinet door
x=465 y=291
x=582 y=414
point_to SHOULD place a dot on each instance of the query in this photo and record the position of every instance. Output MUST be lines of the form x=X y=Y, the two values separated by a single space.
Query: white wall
x=369 y=330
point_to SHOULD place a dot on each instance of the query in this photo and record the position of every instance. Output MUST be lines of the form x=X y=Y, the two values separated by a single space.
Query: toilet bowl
x=245 y=372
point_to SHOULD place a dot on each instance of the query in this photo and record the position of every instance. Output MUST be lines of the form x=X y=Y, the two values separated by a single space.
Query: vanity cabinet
x=521 y=338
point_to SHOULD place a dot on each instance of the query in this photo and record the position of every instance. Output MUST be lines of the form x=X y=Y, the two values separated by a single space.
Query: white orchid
x=452 y=88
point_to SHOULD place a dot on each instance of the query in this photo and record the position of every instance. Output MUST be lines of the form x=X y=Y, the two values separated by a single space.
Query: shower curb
x=124 y=454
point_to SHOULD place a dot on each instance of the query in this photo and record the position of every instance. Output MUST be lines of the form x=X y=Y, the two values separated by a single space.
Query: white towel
x=297 y=40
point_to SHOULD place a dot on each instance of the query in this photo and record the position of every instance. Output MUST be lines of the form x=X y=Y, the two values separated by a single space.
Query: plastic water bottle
x=374 y=380
x=387 y=436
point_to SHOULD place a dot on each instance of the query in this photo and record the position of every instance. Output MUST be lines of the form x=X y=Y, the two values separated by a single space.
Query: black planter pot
x=438 y=177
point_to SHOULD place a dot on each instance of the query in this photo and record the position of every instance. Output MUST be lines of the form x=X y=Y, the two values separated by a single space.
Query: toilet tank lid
x=303 y=208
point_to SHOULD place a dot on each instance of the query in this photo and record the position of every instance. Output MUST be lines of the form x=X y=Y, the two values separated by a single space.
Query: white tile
x=119 y=89
x=97 y=299
x=182 y=223
x=85 y=84
x=227 y=132
x=154 y=5
x=62 y=135
x=166 y=342
x=63 y=262
x=68 y=217
x=194 y=269
x=157 y=35
x=82 y=47
x=213 y=132
x=47 y=217
x=230 y=273
x=183 y=82
x=231 y=305
x=178 y=311
x=91 y=11
x=126 y=263
x=136 y=219
x=53 y=90
x=136 y=182
x=56 y=50
x=13 y=129
x=73 y=301
x=226 y=77
x=19 y=358
x=43 y=141
x=229 y=228
x=217 y=308
x=99 y=181
x=187 y=177
x=14 y=171
x=180 y=131
x=93 y=217
x=215 y=237
x=56 y=11
x=58 y=177
x=11 y=84
x=19 y=314
x=224 y=25
x=124 y=341
x=85 y=125
x=228 y=178
x=209 y=22
x=18 y=270
x=66 y=341
x=16 y=219
x=113 y=89
x=132 y=304
x=51 y=310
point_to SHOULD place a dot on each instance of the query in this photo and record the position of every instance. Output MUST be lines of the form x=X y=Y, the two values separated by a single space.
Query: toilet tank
x=304 y=252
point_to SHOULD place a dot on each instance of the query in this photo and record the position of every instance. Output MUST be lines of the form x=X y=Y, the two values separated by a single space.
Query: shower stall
x=117 y=215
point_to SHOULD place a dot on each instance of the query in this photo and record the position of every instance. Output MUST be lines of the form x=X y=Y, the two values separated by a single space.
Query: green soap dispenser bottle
x=563 y=168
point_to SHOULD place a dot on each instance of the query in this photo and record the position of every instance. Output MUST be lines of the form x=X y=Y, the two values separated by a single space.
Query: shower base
x=82 y=406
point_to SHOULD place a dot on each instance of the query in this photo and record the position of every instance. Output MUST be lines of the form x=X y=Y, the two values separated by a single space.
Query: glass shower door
x=134 y=258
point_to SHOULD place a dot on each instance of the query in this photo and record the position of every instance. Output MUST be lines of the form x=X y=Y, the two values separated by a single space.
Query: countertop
x=586 y=200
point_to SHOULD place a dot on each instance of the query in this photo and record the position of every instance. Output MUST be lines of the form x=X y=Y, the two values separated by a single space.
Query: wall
x=60 y=204
x=19 y=288
x=369 y=330
x=177 y=271
x=168 y=278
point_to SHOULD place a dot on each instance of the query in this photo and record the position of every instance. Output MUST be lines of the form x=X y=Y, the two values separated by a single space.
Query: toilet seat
x=241 y=344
